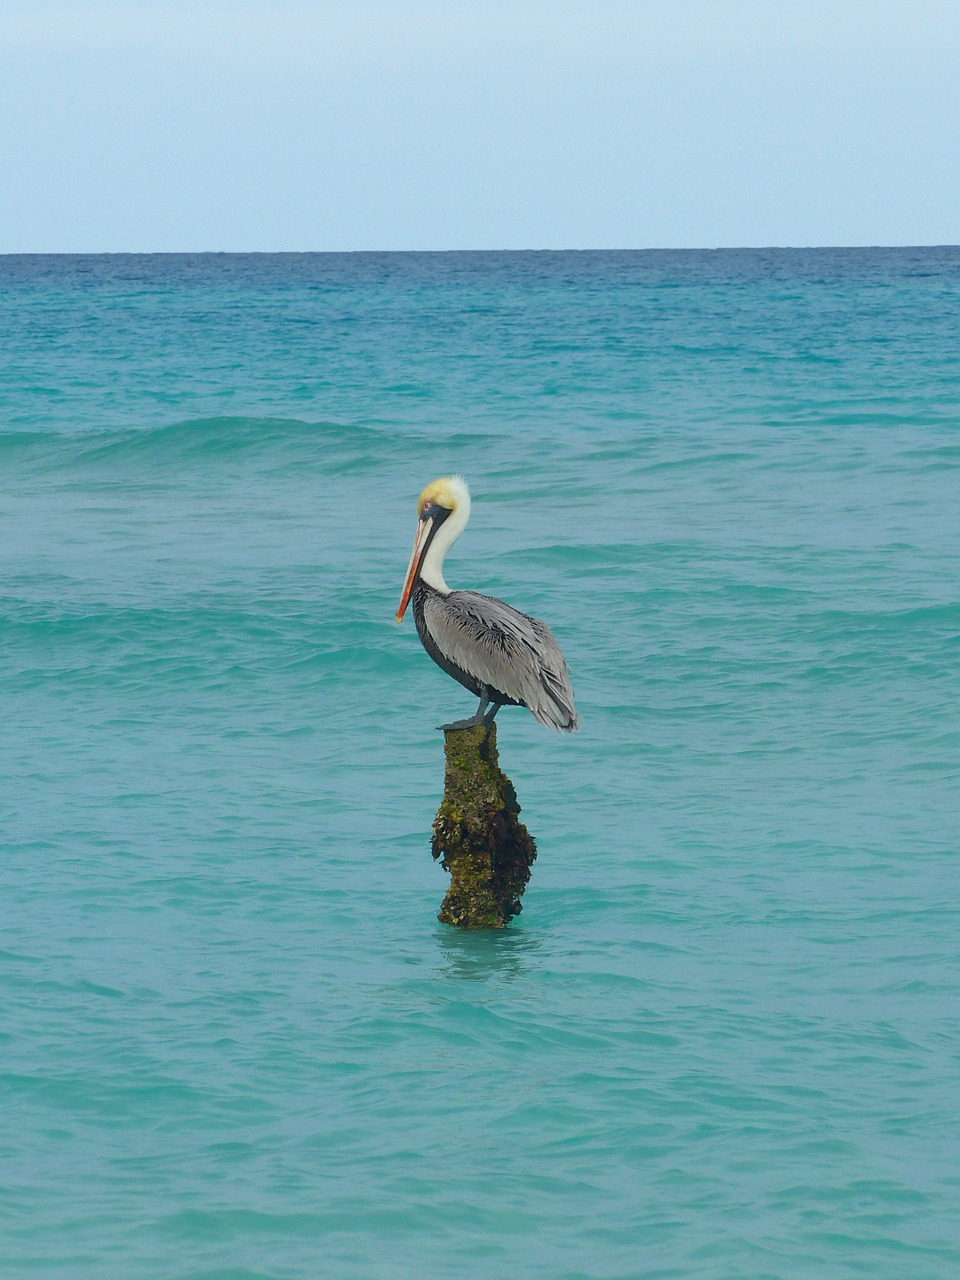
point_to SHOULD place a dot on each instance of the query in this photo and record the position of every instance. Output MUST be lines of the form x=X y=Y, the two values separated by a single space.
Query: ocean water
x=723 y=1038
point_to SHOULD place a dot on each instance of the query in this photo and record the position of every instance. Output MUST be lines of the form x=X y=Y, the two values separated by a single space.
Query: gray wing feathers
x=511 y=652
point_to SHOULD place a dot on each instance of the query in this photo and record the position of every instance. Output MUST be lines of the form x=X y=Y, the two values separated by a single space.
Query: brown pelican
x=501 y=655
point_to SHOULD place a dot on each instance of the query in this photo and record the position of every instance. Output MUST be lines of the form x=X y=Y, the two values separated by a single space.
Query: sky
x=243 y=125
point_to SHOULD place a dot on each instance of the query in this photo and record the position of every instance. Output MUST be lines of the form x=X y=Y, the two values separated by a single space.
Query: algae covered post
x=477 y=834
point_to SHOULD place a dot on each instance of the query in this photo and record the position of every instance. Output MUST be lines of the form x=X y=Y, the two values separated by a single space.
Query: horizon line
x=733 y=248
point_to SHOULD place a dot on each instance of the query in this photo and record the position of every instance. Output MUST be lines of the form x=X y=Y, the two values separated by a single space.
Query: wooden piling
x=477 y=835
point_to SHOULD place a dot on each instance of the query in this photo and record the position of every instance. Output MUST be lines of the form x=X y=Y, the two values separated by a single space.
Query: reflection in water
x=478 y=955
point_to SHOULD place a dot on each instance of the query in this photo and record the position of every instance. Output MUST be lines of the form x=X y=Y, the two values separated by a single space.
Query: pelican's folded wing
x=510 y=652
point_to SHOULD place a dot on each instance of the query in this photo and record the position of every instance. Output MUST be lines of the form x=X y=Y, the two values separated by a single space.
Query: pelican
x=504 y=657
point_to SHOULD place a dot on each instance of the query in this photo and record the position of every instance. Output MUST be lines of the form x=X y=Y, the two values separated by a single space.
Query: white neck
x=431 y=571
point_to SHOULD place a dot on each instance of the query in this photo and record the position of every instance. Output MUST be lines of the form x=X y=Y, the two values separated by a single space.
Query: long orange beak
x=413 y=571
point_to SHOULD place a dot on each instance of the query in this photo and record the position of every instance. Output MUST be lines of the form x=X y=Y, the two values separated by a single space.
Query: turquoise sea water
x=723 y=1039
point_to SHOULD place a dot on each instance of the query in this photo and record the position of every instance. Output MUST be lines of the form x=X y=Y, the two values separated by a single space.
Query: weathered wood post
x=477 y=835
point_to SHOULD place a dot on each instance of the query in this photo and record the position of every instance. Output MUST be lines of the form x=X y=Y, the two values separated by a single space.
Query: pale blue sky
x=439 y=124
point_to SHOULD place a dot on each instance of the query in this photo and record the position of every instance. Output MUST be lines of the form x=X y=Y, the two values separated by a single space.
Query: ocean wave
x=194 y=439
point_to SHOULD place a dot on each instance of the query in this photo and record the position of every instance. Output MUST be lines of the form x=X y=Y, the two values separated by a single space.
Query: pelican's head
x=446 y=499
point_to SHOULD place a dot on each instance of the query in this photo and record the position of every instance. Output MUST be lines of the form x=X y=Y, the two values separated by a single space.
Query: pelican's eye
x=433 y=511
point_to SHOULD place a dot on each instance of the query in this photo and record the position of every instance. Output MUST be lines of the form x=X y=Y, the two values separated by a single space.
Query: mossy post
x=477 y=835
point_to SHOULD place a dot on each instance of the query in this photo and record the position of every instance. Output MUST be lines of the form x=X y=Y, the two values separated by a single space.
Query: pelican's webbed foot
x=471 y=723
x=482 y=716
